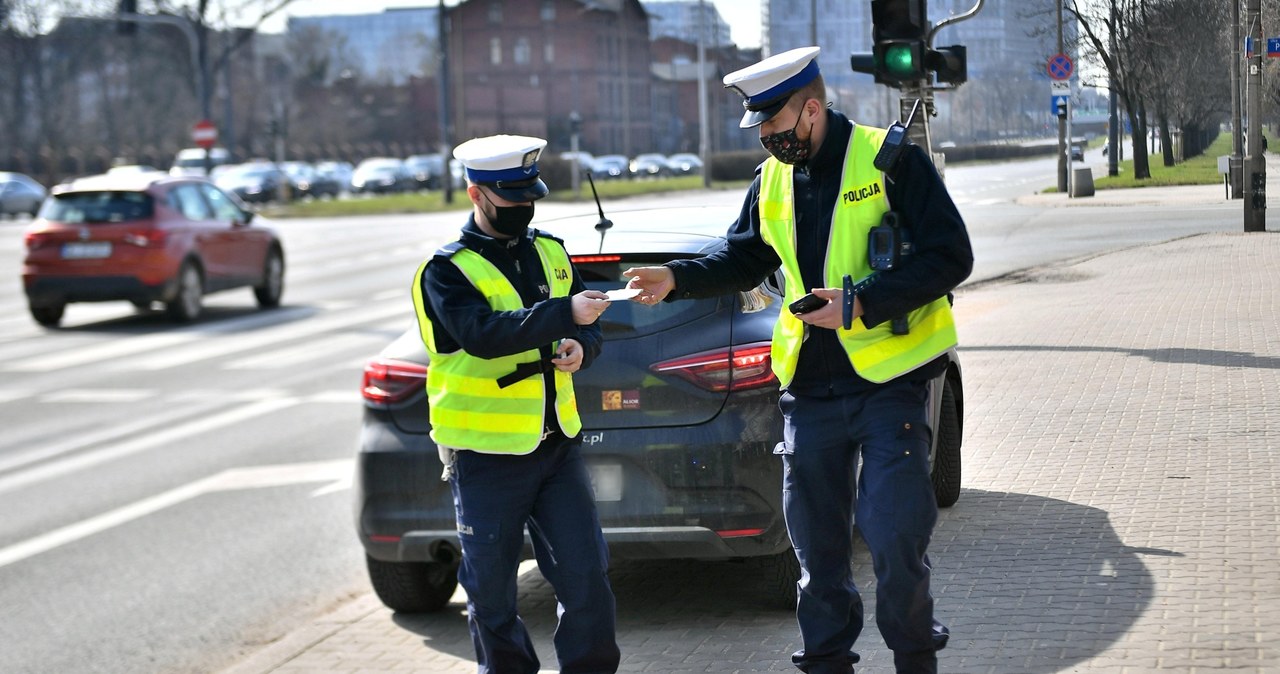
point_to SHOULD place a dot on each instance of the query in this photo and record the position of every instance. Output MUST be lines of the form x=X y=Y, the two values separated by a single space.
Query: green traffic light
x=899 y=60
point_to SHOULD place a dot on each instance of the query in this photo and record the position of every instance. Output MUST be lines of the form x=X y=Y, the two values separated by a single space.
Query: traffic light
x=950 y=63
x=899 y=32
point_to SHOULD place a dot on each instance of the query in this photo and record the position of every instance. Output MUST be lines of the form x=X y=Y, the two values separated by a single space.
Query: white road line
x=207 y=349
x=9 y=395
x=145 y=344
x=50 y=450
x=289 y=356
x=334 y=472
x=129 y=447
x=98 y=395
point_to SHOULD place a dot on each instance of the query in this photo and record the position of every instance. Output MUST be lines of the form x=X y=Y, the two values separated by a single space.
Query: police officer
x=853 y=391
x=507 y=321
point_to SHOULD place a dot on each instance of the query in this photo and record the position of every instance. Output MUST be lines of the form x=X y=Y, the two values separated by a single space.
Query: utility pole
x=1235 y=161
x=704 y=135
x=1062 y=121
x=1255 y=201
x=446 y=149
x=1114 y=137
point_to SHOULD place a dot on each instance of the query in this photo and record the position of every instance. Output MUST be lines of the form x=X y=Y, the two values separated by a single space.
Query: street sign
x=1248 y=46
x=1060 y=88
x=1273 y=47
x=1055 y=101
x=204 y=134
x=1060 y=67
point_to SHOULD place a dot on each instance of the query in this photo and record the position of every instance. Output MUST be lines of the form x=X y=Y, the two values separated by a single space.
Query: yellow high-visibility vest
x=468 y=410
x=876 y=353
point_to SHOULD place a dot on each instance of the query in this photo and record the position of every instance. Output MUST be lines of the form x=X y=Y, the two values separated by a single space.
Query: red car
x=146 y=238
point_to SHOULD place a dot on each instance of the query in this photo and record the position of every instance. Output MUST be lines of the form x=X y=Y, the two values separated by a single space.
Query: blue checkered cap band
x=507 y=164
x=762 y=84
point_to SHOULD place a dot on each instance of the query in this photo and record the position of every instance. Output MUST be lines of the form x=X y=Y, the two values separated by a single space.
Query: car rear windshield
x=98 y=207
x=628 y=319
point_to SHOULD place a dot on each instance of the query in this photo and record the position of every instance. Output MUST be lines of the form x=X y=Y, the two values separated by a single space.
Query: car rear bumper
x=718 y=499
x=48 y=290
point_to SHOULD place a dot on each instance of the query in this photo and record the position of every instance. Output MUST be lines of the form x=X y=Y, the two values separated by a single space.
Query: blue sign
x=1273 y=47
x=1248 y=46
x=1055 y=101
x=1060 y=67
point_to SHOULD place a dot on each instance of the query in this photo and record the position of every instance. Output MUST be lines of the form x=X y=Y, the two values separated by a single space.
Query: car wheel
x=413 y=587
x=49 y=315
x=188 y=301
x=272 y=287
x=780 y=573
x=946 y=459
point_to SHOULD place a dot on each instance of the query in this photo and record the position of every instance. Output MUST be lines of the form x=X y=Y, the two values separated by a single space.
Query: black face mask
x=786 y=146
x=509 y=221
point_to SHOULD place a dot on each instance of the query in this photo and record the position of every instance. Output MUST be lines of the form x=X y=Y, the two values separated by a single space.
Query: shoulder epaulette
x=449 y=250
x=548 y=235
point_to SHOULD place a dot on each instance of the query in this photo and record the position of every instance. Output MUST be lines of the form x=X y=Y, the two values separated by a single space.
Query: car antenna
x=604 y=223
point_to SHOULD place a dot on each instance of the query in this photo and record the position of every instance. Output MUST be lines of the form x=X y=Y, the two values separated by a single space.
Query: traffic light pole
x=1255 y=202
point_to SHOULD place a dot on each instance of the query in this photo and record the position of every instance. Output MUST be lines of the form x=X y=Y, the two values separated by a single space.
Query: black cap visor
x=519 y=191
x=759 y=114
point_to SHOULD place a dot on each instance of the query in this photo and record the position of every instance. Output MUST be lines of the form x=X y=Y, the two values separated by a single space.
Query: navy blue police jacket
x=942 y=257
x=462 y=317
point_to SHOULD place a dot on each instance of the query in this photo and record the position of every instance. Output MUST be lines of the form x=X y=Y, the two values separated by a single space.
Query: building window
x=522 y=52
x=495 y=51
x=495 y=12
x=549 y=52
x=548 y=10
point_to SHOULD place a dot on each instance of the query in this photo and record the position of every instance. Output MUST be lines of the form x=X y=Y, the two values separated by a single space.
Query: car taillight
x=736 y=369
x=34 y=240
x=147 y=238
x=387 y=380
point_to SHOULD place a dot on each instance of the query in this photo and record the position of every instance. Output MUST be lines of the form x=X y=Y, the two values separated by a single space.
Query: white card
x=622 y=294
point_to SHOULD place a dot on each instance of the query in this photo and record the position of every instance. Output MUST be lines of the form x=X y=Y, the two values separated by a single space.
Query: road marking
x=256 y=477
x=207 y=349
x=98 y=395
x=288 y=356
x=145 y=344
x=129 y=447
x=116 y=431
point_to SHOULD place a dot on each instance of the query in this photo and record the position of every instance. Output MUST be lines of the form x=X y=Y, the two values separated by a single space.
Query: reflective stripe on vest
x=876 y=354
x=468 y=410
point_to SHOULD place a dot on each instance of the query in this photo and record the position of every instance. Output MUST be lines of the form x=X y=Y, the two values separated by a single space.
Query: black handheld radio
x=895 y=141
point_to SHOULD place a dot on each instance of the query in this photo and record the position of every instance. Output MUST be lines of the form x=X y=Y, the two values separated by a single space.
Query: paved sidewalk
x=1122 y=494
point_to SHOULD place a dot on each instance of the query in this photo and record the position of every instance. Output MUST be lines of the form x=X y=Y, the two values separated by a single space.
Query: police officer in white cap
x=506 y=321
x=848 y=392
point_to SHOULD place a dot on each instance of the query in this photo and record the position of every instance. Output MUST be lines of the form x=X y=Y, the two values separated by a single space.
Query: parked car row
x=648 y=165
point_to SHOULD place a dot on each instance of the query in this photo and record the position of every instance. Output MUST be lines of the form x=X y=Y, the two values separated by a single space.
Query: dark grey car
x=680 y=422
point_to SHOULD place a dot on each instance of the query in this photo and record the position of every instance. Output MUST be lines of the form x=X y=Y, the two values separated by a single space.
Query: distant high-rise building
x=389 y=47
x=682 y=19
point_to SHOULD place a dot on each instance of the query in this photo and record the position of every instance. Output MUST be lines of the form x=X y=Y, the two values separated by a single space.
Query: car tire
x=779 y=573
x=188 y=299
x=412 y=587
x=48 y=315
x=268 y=294
x=946 y=461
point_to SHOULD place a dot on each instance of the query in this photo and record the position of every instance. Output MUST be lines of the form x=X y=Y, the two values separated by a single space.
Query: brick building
x=524 y=66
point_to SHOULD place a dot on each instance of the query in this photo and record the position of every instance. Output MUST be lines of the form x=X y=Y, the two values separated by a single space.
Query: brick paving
x=1119 y=513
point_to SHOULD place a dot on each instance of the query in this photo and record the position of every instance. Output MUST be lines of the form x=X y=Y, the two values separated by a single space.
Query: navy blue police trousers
x=495 y=498
x=896 y=511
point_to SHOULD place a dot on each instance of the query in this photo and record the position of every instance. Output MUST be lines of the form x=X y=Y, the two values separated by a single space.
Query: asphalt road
x=176 y=496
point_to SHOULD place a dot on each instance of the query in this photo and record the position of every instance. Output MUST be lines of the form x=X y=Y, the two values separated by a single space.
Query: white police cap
x=767 y=86
x=508 y=165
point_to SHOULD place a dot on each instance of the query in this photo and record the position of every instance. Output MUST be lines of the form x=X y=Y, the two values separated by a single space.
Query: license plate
x=606 y=480
x=86 y=250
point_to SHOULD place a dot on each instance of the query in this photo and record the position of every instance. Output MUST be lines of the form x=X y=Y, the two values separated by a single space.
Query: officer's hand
x=588 y=305
x=832 y=315
x=654 y=283
x=569 y=356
